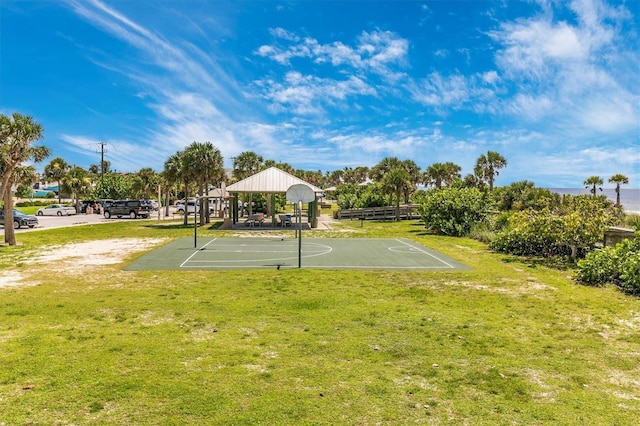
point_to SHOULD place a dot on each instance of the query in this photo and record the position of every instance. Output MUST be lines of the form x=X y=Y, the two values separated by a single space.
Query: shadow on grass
x=207 y=226
x=421 y=230
x=559 y=263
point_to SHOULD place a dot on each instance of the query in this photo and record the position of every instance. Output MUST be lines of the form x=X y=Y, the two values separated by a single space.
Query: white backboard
x=300 y=193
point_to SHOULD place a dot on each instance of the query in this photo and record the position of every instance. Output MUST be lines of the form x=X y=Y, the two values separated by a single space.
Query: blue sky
x=323 y=85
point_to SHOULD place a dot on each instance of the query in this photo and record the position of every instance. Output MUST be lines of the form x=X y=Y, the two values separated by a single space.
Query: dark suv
x=131 y=208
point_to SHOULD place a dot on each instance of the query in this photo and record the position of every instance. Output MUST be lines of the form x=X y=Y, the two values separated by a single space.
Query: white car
x=190 y=207
x=56 y=210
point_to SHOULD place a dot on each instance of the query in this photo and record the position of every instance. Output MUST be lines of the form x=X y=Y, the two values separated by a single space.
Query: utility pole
x=102 y=152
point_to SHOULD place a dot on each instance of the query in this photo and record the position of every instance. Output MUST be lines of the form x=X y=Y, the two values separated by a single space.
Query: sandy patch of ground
x=77 y=257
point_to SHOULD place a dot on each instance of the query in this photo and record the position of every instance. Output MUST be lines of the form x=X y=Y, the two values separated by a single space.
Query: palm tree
x=176 y=169
x=593 y=184
x=452 y=172
x=100 y=170
x=487 y=167
x=206 y=161
x=471 y=180
x=76 y=182
x=434 y=175
x=55 y=171
x=350 y=176
x=415 y=177
x=441 y=174
x=385 y=165
x=395 y=182
x=618 y=180
x=286 y=167
x=244 y=165
x=16 y=135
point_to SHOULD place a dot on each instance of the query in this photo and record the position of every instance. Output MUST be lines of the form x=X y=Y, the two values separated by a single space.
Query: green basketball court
x=282 y=253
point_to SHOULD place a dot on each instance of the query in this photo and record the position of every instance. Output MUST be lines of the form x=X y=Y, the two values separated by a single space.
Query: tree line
x=199 y=167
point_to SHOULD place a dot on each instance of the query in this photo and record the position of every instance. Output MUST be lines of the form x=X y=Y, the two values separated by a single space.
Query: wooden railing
x=407 y=211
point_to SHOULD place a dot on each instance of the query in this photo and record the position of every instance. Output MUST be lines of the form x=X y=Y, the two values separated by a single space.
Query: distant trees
x=246 y=164
x=24 y=178
x=113 y=186
x=412 y=174
x=351 y=175
x=76 y=182
x=441 y=174
x=524 y=195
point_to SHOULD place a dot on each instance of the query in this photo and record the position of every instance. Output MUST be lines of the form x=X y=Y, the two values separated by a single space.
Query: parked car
x=182 y=201
x=132 y=208
x=20 y=219
x=190 y=207
x=153 y=203
x=56 y=210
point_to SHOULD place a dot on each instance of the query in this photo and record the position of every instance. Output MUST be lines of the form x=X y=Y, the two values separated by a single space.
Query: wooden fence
x=407 y=211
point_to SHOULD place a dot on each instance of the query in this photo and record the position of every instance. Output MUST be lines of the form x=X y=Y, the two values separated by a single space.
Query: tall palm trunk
x=9 y=232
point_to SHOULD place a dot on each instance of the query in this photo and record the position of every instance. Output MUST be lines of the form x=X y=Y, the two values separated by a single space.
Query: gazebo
x=270 y=181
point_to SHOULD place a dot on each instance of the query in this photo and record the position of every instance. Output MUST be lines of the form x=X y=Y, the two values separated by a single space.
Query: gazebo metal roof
x=268 y=181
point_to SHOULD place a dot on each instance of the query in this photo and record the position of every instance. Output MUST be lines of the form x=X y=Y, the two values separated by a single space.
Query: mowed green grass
x=508 y=342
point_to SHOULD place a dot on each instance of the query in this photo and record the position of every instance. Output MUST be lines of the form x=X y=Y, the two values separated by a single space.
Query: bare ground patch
x=78 y=258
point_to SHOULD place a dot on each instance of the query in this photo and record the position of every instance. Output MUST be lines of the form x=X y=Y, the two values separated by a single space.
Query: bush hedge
x=619 y=265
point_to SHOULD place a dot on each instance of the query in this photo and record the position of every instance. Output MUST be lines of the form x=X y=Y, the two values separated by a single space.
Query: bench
x=284 y=220
x=255 y=220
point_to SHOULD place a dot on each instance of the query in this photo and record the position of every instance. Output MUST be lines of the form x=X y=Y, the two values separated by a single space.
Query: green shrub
x=619 y=265
x=453 y=211
x=530 y=233
x=482 y=232
x=632 y=221
x=573 y=229
x=599 y=267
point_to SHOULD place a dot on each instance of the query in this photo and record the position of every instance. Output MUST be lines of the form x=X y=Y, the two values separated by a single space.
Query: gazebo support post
x=313 y=213
x=271 y=210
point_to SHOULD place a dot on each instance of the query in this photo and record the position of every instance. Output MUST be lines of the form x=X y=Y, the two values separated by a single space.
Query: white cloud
x=306 y=94
x=439 y=91
x=374 y=51
x=490 y=77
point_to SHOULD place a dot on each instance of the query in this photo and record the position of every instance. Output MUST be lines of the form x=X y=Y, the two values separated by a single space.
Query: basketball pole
x=300 y=234
x=195 y=222
x=298 y=194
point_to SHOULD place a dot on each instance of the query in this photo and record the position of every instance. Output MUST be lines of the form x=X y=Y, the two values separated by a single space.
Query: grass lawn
x=508 y=342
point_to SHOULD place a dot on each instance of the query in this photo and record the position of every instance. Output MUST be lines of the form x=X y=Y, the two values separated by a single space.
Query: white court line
x=426 y=252
x=306 y=255
x=210 y=264
x=282 y=266
x=195 y=252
